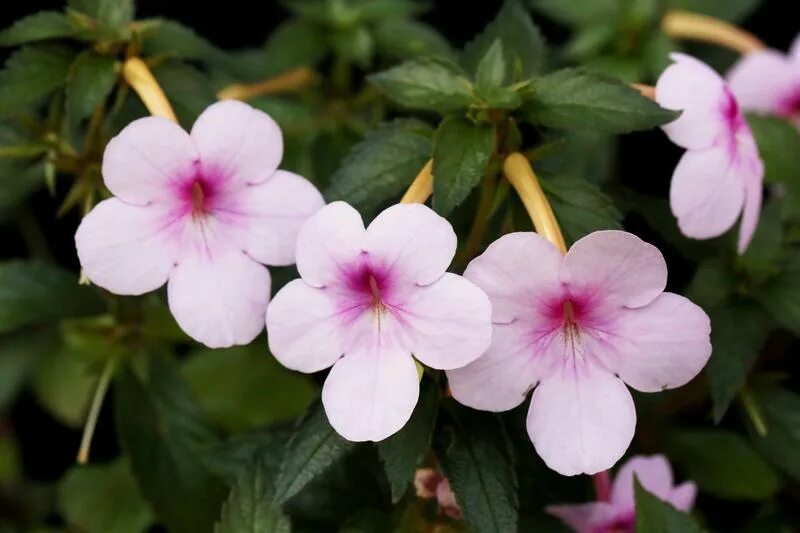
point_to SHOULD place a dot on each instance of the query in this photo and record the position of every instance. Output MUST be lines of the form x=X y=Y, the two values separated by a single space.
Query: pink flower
x=577 y=328
x=202 y=211
x=368 y=300
x=769 y=82
x=431 y=484
x=619 y=513
x=720 y=176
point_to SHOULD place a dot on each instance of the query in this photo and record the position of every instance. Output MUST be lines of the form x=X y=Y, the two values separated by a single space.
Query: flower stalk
x=695 y=27
x=648 y=91
x=291 y=81
x=421 y=188
x=138 y=75
x=94 y=410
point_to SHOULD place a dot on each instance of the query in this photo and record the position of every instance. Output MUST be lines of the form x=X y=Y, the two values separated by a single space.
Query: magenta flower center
x=199 y=194
x=369 y=284
x=790 y=106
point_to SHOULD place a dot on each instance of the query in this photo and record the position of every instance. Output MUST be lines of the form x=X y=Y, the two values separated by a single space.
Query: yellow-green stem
x=94 y=410
x=695 y=27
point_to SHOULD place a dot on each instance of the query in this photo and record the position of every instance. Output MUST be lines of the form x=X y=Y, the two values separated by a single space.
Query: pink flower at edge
x=201 y=211
x=720 y=177
x=619 y=513
x=367 y=300
x=768 y=81
x=431 y=484
x=578 y=327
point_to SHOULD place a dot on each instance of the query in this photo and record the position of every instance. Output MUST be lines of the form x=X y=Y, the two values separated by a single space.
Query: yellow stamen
x=290 y=81
x=695 y=27
x=139 y=77
x=519 y=173
x=421 y=188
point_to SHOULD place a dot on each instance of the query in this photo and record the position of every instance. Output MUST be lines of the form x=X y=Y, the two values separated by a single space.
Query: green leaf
x=19 y=353
x=780 y=409
x=314 y=447
x=407 y=39
x=64 y=382
x=243 y=387
x=762 y=258
x=580 y=207
x=738 y=330
x=32 y=292
x=37 y=27
x=572 y=98
x=428 y=83
x=30 y=73
x=713 y=282
x=103 y=498
x=781 y=295
x=112 y=14
x=656 y=516
x=172 y=39
x=402 y=452
x=473 y=454
x=249 y=507
x=522 y=42
x=355 y=44
x=777 y=141
x=18 y=180
x=294 y=43
x=383 y=165
x=491 y=70
x=731 y=10
x=91 y=79
x=579 y=12
x=164 y=434
x=722 y=463
x=187 y=88
x=461 y=153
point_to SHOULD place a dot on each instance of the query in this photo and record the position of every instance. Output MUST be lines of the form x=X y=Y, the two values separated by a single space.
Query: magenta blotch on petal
x=202 y=211
x=576 y=330
x=371 y=300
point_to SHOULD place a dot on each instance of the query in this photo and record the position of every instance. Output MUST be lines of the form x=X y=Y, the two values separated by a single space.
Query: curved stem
x=290 y=81
x=695 y=27
x=139 y=77
x=520 y=175
x=421 y=188
x=648 y=91
x=94 y=410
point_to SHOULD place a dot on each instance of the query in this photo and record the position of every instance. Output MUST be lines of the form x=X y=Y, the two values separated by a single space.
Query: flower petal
x=146 y=158
x=304 y=327
x=683 y=496
x=413 y=241
x=653 y=472
x=707 y=193
x=585 y=517
x=238 y=142
x=371 y=392
x=614 y=267
x=753 y=174
x=122 y=247
x=327 y=242
x=794 y=49
x=692 y=87
x=448 y=323
x=273 y=212
x=516 y=271
x=581 y=418
x=660 y=346
x=221 y=302
x=746 y=80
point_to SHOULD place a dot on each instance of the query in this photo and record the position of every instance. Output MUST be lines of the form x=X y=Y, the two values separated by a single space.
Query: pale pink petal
x=692 y=87
x=237 y=142
x=447 y=500
x=762 y=81
x=221 y=302
x=707 y=193
x=328 y=242
x=614 y=268
x=123 y=248
x=412 y=241
x=304 y=327
x=448 y=323
x=660 y=346
x=271 y=214
x=581 y=418
x=683 y=496
x=146 y=158
x=794 y=50
x=585 y=517
x=370 y=392
x=752 y=171
x=653 y=472
x=519 y=271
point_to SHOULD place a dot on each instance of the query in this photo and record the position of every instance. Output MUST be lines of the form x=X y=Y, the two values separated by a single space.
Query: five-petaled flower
x=369 y=299
x=619 y=512
x=720 y=176
x=769 y=82
x=577 y=327
x=202 y=210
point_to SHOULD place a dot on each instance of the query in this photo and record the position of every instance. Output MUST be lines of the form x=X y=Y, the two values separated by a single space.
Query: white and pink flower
x=576 y=328
x=201 y=211
x=720 y=177
x=369 y=299
x=618 y=512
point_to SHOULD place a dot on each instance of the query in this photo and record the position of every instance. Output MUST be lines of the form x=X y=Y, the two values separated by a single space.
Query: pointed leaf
x=780 y=409
x=37 y=27
x=249 y=507
x=91 y=79
x=407 y=39
x=428 y=83
x=491 y=69
x=30 y=73
x=656 y=516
